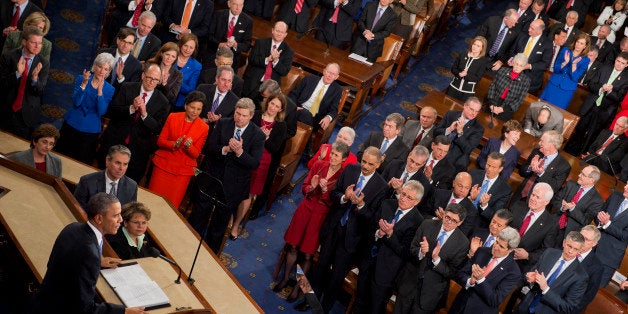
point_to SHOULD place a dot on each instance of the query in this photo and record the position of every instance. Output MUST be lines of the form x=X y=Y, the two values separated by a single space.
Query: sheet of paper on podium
x=134 y=287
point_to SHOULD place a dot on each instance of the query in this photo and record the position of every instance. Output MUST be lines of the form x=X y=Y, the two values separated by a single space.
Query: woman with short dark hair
x=39 y=156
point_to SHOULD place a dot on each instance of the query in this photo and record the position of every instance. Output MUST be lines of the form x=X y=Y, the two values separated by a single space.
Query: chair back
x=290 y=80
x=392 y=46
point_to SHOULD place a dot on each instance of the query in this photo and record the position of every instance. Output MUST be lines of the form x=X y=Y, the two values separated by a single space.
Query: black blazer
x=277 y=136
x=528 y=17
x=611 y=247
x=75 y=255
x=208 y=76
x=227 y=103
x=512 y=156
x=590 y=72
x=132 y=69
x=540 y=57
x=613 y=153
x=539 y=236
x=297 y=21
x=603 y=51
x=395 y=169
x=329 y=104
x=199 y=21
x=487 y=296
x=340 y=31
x=6 y=14
x=121 y=15
x=242 y=33
x=582 y=214
x=373 y=49
x=555 y=173
x=594 y=269
x=475 y=72
x=31 y=103
x=443 y=174
x=611 y=99
x=395 y=150
x=257 y=67
x=461 y=146
x=94 y=183
x=500 y=194
x=490 y=30
x=121 y=246
x=150 y=47
x=440 y=198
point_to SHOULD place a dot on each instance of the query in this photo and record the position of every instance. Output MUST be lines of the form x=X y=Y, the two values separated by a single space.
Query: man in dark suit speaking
x=69 y=285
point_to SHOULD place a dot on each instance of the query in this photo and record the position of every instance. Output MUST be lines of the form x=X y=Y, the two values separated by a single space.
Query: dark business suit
x=564 y=293
x=132 y=71
x=227 y=101
x=612 y=246
x=540 y=58
x=487 y=296
x=329 y=104
x=410 y=132
x=69 y=285
x=373 y=49
x=594 y=270
x=613 y=153
x=296 y=21
x=257 y=65
x=443 y=174
x=528 y=17
x=512 y=156
x=94 y=183
x=6 y=14
x=590 y=72
x=199 y=20
x=571 y=37
x=461 y=145
x=395 y=150
x=339 y=32
x=422 y=286
x=500 y=194
x=242 y=33
x=121 y=15
x=395 y=169
x=582 y=214
x=140 y=132
x=440 y=198
x=120 y=244
x=555 y=173
x=490 y=30
x=208 y=76
x=603 y=51
x=539 y=236
x=149 y=48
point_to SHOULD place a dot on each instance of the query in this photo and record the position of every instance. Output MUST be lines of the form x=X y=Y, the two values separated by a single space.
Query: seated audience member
x=224 y=57
x=39 y=156
x=439 y=170
x=90 y=100
x=609 y=148
x=589 y=261
x=376 y=22
x=137 y=113
x=508 y=89
x=176 y=23
x=545 y=164
x=499 y=45
x=296 y=14
x=398 y=172
x=317 y=99
x=130 y=241
x=147 y=44
x=464 y=131
x=622 y=294
x=577 y=203
x=569 y=25
x=270 y=58
x=559 y=39
x=421 y=131
x=488 y=278
x=592 y=68
x=408 y=12
x=303 y=232
x=623 y=112
x=438 y=251
x=557 y=281
x=624 y=169
x=345 y=135
x=489 y=191
x=127 y=68
x=602 y=43
x=542 y=117
x=23 y=86
x=188 y=66
x=112 y=180
x=468 y=70
x=569 y=66
x=485 y=237
x=613 y=16
x=230 y=29
x=220 y=100
x=335 y=21
x=612 y=221
x=129 y=13
x=171 y=78
x=179 y=144
x=505 y=145
x=394 y=227
x=388 y=140
x=41 y=21
x=271 y=121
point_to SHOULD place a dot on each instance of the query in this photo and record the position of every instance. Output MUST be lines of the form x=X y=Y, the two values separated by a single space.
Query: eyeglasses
x=152 y=79
x=451 y=219
x=139 y=223
x=407 y=196
x=127 y=42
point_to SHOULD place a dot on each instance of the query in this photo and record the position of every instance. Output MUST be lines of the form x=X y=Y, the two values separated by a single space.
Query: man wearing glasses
x=127 y=68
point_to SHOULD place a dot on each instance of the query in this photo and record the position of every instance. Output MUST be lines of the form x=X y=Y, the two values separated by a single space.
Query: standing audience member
x=130 y=241
x=375 y=23
x=500 y=33
x=41 y=21
x=224 y=57
x=439 y=170
x=335 y=21
x=602 y=43
x=398 y=172
x=535 y=12
x=505 y=145
x=592 y=69
x=90 y=100
x=569 y=25
x=221 y=101
x=296 y=14
x=612 y=16
x=589 y=261
x=388 y=140
x=508 y=89
x=489 y=191
x=230 y=29
x=171 y=78
x=542 y=117
x=127 y=68
x=483 y=237
x=468 y=70
x=609 y=148
x=612 y=221
x=39 y=156
x=559 y=39
x=345 y=135
x=421 y=131
x=189 y=67
x=128 y=13
x=181 y=17
x=13 y=13
x=147 y=44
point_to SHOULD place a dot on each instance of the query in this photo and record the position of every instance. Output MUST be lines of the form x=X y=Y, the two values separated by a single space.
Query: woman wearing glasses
x=130 y=241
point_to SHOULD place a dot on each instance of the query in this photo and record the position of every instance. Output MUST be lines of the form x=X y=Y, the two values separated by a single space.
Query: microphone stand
x=302 y=34
x=155 y=253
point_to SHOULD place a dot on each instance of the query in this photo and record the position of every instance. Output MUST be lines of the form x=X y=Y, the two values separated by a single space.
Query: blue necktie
x=489 y=241
x=384 y=146
x=550 y=280
x=483 y=190
x=100 y=249
x=358 y=187
x=375 y=248
x=237 y=135
x=396 y=218
x=441 y=237
x=622 y=208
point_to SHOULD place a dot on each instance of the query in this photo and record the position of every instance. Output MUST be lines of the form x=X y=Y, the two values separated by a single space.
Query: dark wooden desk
x=308 y=52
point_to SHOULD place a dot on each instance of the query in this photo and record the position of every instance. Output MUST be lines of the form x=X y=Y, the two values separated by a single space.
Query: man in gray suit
x=542 y=117
x=112 y=180
x=420 y=132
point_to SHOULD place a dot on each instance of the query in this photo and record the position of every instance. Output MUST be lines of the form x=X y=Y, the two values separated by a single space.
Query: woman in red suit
x=303 y=230
x=180 y=142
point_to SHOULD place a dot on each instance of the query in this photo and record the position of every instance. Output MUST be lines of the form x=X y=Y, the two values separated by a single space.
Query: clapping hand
x=425 y=246
x=314 y=181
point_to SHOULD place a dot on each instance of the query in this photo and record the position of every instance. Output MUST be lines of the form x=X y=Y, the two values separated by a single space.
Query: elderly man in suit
x=420 y=132
x=335 y=20
x=608 y=149
x=464 y=131
x=12 y=15
x=489 y=277
x=127 y=13
x=182 y=16
x=270 y=58
x=24 y=74
x=231 y=29
x=112 y=180
x=601 y=42
x=569 y=25
x=224 y=57
x=577 y=203
x=589 y=261
x=489 y=191
x=235 y=149
x=594 y=66
x=147 y=44
x=75 y=261
x=221 y=100
x=398 y=172
x=137 y=113
x=437 y=252
x=542 y=117
x=535 y=12
x=438 y=169
x=375 y=24
x=612 y=221
x=127 y=68
x=500 y=32
x=394 y=228
x=388 y=140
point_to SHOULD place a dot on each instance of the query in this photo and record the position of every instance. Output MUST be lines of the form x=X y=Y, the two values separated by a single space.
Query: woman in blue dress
x=189 y=67
x=570 y=65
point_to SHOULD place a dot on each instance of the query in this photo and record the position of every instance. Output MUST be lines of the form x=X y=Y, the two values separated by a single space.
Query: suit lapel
x=565 y=275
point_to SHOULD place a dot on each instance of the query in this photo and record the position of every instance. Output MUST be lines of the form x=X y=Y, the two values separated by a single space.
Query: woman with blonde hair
x=468 y=70
x=39 y=20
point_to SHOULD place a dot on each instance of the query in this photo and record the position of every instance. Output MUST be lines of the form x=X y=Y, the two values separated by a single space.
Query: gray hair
x=575 y=236
x=420 y=150
x=148 y=15
x=549 y=193
x=224 y=52
x=396 y=118
x=416 y=186
x=246 y=103
x=623 y=120
x=595 y=173
x=342 y=148
x=511 y=236
x=555 y=138
x=118 y=149
x=597 y=235
x=99 y=203
x=521 y=57
x=102 y=59
x=271 y=86
x=349 y=131
x=573 y=13
x=224 y=68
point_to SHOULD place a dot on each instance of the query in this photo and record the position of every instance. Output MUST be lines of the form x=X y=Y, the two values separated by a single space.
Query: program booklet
x=133 y=286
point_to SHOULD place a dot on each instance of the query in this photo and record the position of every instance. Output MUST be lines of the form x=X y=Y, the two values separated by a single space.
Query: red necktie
x=490 y=266
x=231 y=27
x=17 y=103
x=135 y=118
x=269 y=68
x=418 y=139
x=608 y=142
x=531 y=181
x=136 y=13
x=15 y=17
x=298 y=6
x=562 y=221
x=525 y=224
x=569 y=4
x=334 y=17
x=431 y=165
x=453 y=201
x=549 y=4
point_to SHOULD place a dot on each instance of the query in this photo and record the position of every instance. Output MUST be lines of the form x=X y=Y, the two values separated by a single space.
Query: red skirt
x=305 y=225
x=171 y=186
x=258 y=176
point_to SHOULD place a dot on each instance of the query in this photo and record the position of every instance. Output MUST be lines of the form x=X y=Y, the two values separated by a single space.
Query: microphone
x=302 y=34
x=155 y=253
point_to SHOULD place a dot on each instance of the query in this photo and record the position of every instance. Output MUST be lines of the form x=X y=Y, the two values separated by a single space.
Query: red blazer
x=180 y=161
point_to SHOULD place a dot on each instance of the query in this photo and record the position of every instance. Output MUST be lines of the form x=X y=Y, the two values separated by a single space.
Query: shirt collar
x=96 y=232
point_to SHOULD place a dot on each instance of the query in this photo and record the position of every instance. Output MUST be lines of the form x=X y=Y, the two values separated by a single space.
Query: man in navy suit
x=489 y=277
x=127 y=68
x=589 y=261
x=609 y=148
x=464 y=131
x=296 y=13
x=337 y=29
x=483 y=237
x=231 y=29
x=613 y=223
x=399 y=172
x=221 y=100
x=388 y=141
x=557 y=282
x=112 y=180
x=124 y=14
x=196 y=21
x=489 y=192
x=438 y=169
x=74 y=264
x=147 y=44
x=376 y=22
x=493 y=27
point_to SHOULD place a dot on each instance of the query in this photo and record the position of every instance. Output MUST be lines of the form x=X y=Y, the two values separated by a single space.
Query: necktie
x=100 y=248
x=608 y=142
x=554 y=50
x=483 y=190
x=187 y=12
x=298 y=6
x=531 y=181
x=453 y=201
x=136 y=47
x=238 y=133
x=113 y=72
x=334 y=17
x=562 y=220
x=405 y=177
x=377 y=17
x=528 y=47
x=231 y=27
x=418 y=139
x=113 y=191
x=317 y=100
x=611 y=78
x=396 y=218
x=552 y=277
x=216 y=102
x=525 y=224
x=490 y=266
x=599 y=43
x=441 y=237
x=498 y=42
x=569 y=4
x=579 y=257
x=384 y=146
x=15 y=17
x=549 y=4
x=19 y=98
x=358 y=188
x=269 y=68
x=136 y=14
x=430 y=166
x=622 y=208
x=489 y=241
